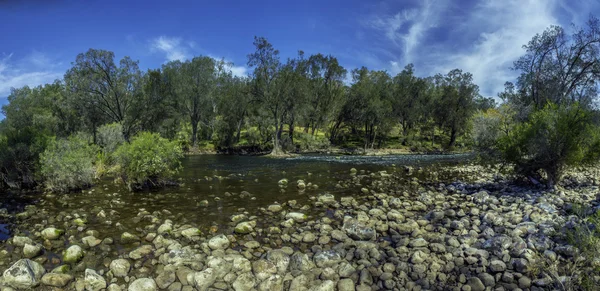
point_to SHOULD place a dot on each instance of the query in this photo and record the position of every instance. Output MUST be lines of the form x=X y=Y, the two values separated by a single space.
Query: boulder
x=24 y=274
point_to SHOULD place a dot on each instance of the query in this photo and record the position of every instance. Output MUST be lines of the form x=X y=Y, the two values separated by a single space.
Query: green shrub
x=148 y=161
x=68 y=164
x=309 y=142
x=20 y=150
x=553 y=139
x=586 y=238
x=110 y=137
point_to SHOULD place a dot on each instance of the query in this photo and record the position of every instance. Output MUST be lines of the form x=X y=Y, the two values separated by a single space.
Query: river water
x=221 y=180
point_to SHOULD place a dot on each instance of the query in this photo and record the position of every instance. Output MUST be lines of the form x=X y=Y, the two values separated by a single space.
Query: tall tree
x=269 y=84
x=103 y=87
x=192 y=84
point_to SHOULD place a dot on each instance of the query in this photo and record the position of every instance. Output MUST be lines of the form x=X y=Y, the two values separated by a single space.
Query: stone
x=418 y=243
x=244 y=282
x=128 y=238
x=30 y=251
x=218 y=242
x=263 y=269
x=191 y=233
x=497 y=266
x=202 y=280
x=143 y=284
x=301 y=262
x=20 y=241
x=274 y=208
x=120 y=267
x=56 y=280
x=345 y=285
x=73 y=254
x=358 y=230
x=327 y=258
x=91 y=241
x=297 y=216
x=487 y=279
x=245 y=227
x=327 y=199
x=24 y=274
x=326 y=285
x=51 y=233
x=475 y=284
x=141 y=252
x=165 y=228
x=93 y=281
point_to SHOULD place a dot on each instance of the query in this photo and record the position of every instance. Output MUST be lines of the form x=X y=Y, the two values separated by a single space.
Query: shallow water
x=220 y=180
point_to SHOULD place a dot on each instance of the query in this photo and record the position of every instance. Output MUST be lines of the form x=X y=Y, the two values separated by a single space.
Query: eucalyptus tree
x=192 y=84
x=456 y=103
x=269 y=84
x=102 y=87
x=409 y=98
x=325 y=91
x=559 y=68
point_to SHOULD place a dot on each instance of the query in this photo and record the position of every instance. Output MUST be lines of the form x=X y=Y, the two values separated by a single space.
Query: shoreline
x=486 y=232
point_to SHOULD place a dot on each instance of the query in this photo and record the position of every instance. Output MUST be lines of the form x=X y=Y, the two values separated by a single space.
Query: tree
x=456 y=103
x=560 y=69
x=409 y=93
x=269 y=84
x=325 y=93
x=102 y=87
x=193 y=84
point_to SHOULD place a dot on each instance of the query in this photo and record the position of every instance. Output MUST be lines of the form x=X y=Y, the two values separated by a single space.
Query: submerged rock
x=245 y=227
x=51 y=233
x=93 y=281
x=73 y=254
x=120 y=267
x=56 y=279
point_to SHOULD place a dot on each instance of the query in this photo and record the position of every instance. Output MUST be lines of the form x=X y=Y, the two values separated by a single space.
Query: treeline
x=301 y=103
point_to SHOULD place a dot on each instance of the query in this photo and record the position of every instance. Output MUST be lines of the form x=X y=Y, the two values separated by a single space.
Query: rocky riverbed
x=485 y=232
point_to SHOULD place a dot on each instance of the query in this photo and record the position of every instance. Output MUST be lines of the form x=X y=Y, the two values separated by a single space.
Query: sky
x=39 y=39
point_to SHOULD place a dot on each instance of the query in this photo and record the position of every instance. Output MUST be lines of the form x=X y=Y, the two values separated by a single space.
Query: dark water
x=220 y=180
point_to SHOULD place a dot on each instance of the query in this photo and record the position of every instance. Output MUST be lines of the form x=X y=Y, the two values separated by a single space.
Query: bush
x=68 y=164
x=20 y=150
x=489 y=126
x=309 y=142
x=110 y=137
x=585 y=236
x=553 y=139
x=148 y=161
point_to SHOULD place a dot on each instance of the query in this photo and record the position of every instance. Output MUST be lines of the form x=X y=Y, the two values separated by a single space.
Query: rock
x=93 y=281
x=296 y=216
x=141 y=252
x=143 y=284
x=418 y=243
x=191 y=233
x=165 y=228
x=274 y=282
x=274 y=208
x=327 y=258
x=327 y=199
x=301 y=262
x=218 y=242
x=165 y=278
x=91 y=241
x=120 y=267
x=73 y=254
x=20 y=241
x=202 y=280
x=300 y=185
x=280 y=259
x=244 y=282
x=326 y=285
x=128 y=238
x=56 y=280
x=24 y=274
x=346 y=285
x=418 y=257
x=358 y=230
x=497 y=266
x=263 y=269
x=51 y=233
x=245 y=227
x=476 y=284
x=30 y=251
x=487 y=279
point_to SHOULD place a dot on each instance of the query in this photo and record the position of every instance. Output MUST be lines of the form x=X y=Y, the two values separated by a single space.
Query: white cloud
x=484 y=40
x=32 y=70
x=172 y=47
x=239 y=71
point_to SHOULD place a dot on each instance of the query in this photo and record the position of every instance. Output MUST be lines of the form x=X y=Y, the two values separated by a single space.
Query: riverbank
x=397 y=232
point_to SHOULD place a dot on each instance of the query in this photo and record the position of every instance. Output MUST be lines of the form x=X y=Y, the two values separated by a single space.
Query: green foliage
x=307 y=142
x=110 y=137
x=148 y=161
x=68 y=164
x=553 y=138
x=586 y=238
x=19 y=156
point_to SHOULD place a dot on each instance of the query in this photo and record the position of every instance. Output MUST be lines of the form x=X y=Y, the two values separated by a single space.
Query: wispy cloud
x=32 y=70
x=484 y=39
x=173 y=48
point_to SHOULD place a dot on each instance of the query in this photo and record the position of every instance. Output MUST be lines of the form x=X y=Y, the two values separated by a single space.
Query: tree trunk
x=239 y=131
x=291 y=132
x=452 y=138
x=194 y=132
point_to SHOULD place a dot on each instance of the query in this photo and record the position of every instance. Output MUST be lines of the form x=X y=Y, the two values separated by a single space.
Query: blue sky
x=41 y=38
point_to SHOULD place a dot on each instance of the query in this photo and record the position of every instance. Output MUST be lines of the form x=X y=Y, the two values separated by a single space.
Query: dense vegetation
x=548 y=120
